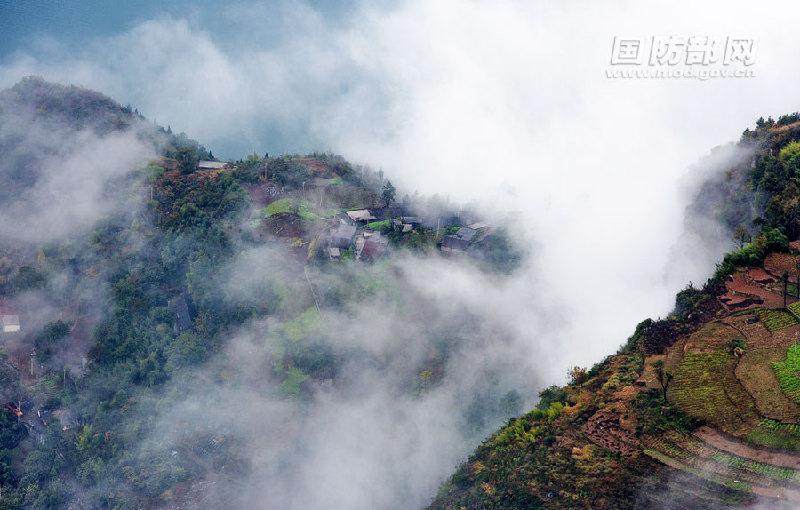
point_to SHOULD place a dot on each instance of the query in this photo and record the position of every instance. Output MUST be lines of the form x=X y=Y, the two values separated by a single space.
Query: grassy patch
x=627 y=374
x=379 y=225
x=303 y=209
x=787 y=372
x=281 y=206
x=294 y=378
x=795 y=307
x=655 y=415
x=775 y=320
x=307 y=214
x=301 y=325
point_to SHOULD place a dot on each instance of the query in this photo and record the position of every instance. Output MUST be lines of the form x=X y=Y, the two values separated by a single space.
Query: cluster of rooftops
x=351 y=231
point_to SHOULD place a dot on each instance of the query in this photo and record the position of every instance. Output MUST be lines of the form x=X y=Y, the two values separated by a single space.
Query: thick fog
x=71 y=175
x=505 y=102
x=378 y=433
x=502 y=103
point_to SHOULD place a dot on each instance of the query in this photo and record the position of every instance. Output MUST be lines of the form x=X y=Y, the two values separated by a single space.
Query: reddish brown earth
x=745 y=293
x=728 y=444
x=778 y=263
x=608 y=429
x=314 y=165
x=649 y=378
x=759 y=275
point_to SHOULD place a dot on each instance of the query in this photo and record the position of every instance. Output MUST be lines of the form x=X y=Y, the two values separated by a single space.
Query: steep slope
x=699 y=410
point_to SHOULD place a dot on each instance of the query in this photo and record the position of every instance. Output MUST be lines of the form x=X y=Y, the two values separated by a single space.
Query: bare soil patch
x=613 y=429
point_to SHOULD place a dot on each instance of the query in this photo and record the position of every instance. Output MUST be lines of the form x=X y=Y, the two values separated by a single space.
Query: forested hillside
x=175 y=328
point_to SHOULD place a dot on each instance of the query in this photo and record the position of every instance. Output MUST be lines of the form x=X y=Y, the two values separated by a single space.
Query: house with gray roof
x=342 y=236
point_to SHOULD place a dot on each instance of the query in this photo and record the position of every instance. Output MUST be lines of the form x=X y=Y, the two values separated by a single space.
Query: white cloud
x=502 y=102
x=71 y=175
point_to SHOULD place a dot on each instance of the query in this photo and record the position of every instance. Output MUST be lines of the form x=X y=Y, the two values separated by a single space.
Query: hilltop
x=166 y=317
x=698 y=410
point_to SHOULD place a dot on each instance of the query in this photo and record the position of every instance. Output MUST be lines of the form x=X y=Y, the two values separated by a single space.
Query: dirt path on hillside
x=730 y=445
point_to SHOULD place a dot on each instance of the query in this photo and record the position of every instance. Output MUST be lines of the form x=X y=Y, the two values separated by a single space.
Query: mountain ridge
x=696 y=410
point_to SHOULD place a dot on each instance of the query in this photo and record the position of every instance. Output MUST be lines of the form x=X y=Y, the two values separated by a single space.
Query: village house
x=454 y=244
x=359 y=245
x=414 y=221
x=374 y=246
x=211 y=165
x=388 y=212
x=431 y=222
x=466 y=234
x=9 y=320
x=10 y=323
x=342 y=236
x=361 y=216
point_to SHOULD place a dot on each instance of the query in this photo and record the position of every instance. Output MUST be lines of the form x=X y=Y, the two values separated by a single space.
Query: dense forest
x=174 y=325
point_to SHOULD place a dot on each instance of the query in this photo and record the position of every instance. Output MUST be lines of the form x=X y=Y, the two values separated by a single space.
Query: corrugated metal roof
x=211 y=165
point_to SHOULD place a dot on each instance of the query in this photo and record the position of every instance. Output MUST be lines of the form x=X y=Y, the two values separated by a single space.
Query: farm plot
x=691 y=455
x=788 y=372
x=767 y=471
x=755 y=333
x=705 y=387
x=741 y=448
x=770 y=474
x=774 y=434
x=678 y=458
x=775 y=320
x=754 y=371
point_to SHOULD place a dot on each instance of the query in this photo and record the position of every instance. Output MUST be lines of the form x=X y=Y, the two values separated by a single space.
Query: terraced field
x=775 y=320
x=795 y=308
x=705 y=387
x=754 y=371
x=788 y=372
x=740 y=375
x=774 y=434
x=691 y=455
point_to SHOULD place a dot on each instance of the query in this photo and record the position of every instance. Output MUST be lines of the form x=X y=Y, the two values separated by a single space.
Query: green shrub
x=751 y=254
x=550 y=395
